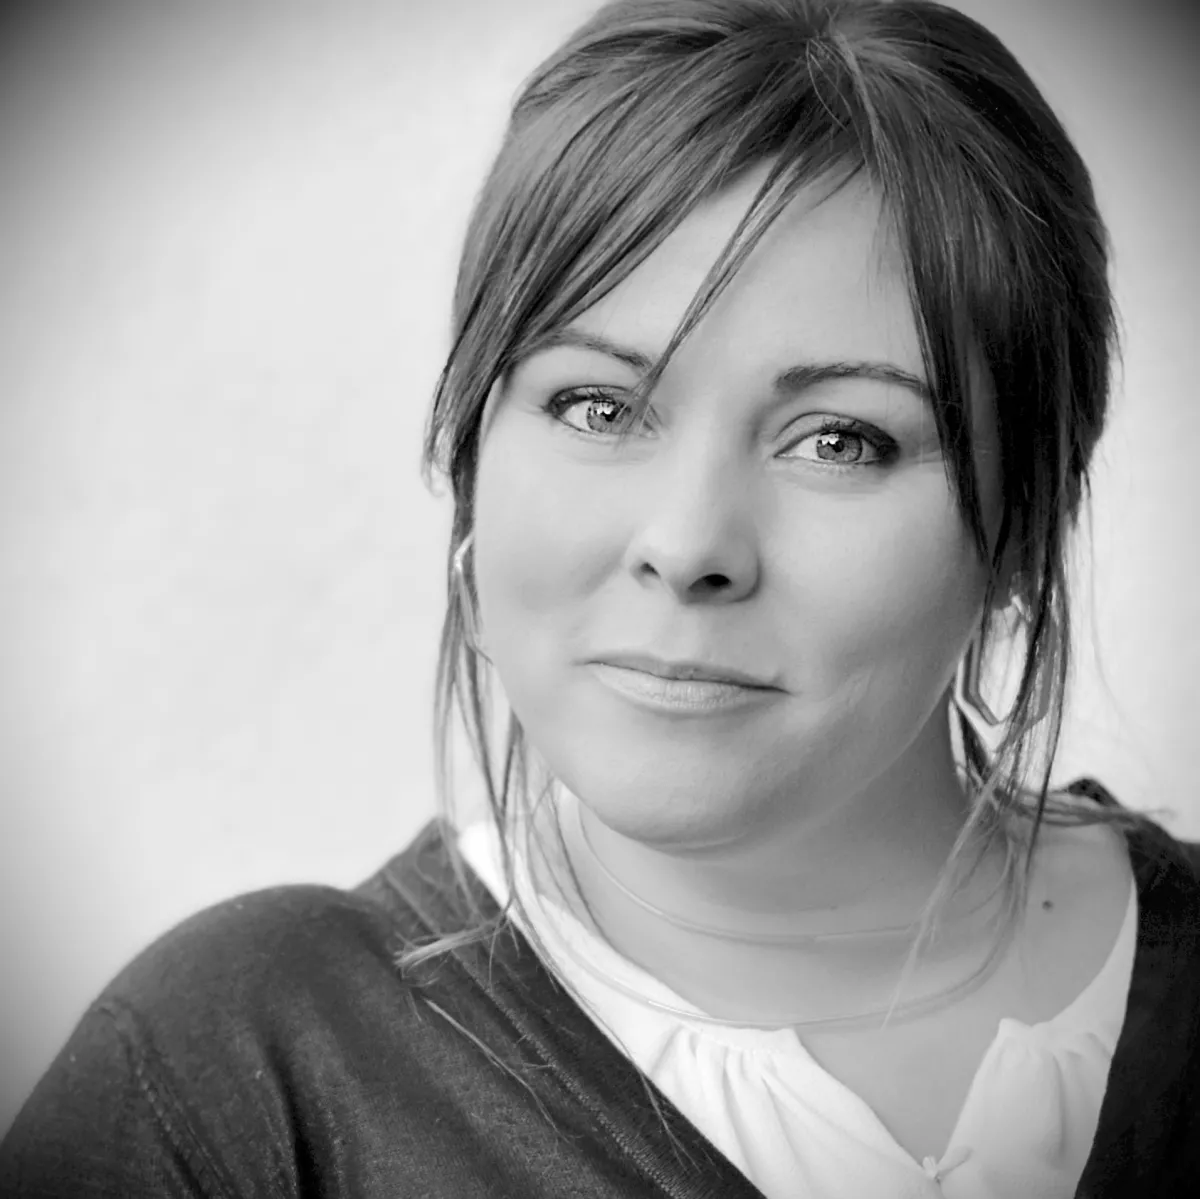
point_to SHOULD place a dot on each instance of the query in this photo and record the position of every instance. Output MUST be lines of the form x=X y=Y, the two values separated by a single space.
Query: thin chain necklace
x=887 y=931
x=908 y=1010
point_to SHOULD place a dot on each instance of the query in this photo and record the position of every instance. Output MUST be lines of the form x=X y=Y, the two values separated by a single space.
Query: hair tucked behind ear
x=651 y=107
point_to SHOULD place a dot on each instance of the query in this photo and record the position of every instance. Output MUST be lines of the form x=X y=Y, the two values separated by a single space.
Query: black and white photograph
x=599 y=599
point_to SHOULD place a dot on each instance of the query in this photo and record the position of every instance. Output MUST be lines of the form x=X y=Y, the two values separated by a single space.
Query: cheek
x=530 y=526
x=892 y=595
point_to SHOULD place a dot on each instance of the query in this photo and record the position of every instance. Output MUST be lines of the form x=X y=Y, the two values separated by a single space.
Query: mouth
x=686 y=671
x=689 y=689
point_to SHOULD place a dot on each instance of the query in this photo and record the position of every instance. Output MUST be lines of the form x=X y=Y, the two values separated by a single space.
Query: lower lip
x=677 y=695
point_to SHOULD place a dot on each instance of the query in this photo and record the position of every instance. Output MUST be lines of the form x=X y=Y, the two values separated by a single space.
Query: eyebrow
x=788 y=382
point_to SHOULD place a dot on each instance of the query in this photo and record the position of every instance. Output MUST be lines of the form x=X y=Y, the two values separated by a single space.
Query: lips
x=689 y=670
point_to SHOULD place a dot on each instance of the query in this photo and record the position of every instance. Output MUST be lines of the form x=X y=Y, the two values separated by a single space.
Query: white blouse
x=1025 y=1128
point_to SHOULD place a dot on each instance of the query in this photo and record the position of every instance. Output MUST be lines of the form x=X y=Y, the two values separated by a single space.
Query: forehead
x=825 y=281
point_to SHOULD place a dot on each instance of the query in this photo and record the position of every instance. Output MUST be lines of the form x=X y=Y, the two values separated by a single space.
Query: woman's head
x=733 y=188
x=783 y=511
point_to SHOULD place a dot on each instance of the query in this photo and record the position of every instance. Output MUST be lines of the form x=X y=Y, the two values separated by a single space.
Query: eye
x=601 y=411
x=839 y=442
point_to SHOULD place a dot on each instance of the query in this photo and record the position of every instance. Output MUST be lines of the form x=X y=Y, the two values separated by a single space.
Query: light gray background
x=228 y=234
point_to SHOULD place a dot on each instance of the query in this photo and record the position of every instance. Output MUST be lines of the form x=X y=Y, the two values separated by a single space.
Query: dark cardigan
x=269 y=1047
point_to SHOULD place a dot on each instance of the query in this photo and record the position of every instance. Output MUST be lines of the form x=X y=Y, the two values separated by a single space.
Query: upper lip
x=705 y=671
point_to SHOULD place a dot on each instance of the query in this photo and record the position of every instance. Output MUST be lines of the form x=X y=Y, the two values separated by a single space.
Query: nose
x=697 y=534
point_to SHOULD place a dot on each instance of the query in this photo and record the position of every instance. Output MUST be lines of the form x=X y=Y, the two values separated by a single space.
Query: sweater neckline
x=1086 y=1027
x=1161 y=1022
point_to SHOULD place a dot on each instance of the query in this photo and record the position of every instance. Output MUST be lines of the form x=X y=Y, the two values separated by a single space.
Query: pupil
x=835 y=445
x=603 y=421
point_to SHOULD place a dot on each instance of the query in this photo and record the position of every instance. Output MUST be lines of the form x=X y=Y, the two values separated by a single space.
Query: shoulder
x=264 y=986
x=289 y=956
x=231 y=991
x=228 y=1044
x=264 y=952
x=1164 y=995
x=254 y=949
x=266 y=971
x=1087 y=875
x=1157 y=857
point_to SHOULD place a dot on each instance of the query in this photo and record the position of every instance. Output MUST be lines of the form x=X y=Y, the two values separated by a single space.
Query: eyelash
x=885 y=448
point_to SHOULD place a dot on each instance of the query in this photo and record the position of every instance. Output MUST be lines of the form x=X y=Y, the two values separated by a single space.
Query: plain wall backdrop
x=228 y=236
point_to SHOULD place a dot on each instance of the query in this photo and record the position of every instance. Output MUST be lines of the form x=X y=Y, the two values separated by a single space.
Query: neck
x=799 y=860
x=858 y=864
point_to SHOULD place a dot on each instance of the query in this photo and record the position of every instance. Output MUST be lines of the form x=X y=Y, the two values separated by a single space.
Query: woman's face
x=785 y=512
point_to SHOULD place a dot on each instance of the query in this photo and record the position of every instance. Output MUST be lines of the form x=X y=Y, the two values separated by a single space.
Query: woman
x=781 y=347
